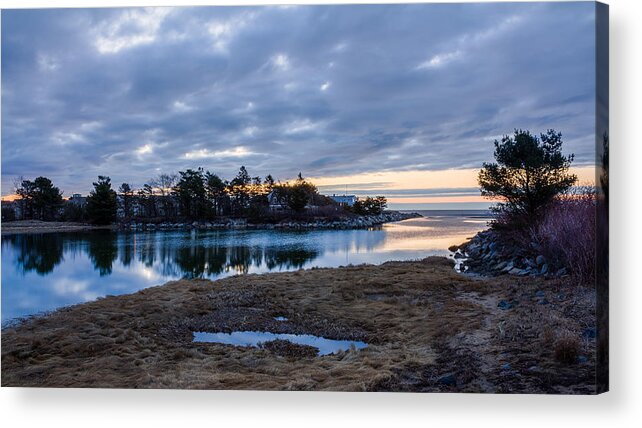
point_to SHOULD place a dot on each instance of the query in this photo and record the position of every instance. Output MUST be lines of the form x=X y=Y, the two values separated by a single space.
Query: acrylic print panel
x=407 y=197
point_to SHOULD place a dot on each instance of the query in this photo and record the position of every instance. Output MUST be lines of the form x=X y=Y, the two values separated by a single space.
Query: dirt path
x=428 y=329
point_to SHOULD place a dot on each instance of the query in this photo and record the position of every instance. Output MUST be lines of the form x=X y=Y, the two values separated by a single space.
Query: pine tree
x=102 y=202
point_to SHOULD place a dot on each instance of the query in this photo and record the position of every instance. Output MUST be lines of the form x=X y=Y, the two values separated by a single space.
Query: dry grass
x=421 y=319
x=37 y=226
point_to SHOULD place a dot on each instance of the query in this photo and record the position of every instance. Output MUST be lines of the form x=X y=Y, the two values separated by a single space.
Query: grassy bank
x=37 y=226
x=429 y=329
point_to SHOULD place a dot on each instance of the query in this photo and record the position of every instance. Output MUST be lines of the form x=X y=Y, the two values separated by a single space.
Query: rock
x=504 y=305
x=447 y=380
x=515 y=271
x=540 y=293
x=500 y=266
x=506 y=366
x=529 y=263
x=540 y=260
x=544 y=269
x=561 y=272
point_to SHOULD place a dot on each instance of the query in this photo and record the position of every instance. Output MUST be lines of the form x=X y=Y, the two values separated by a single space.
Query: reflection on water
x=42 y=272
x=254 y=338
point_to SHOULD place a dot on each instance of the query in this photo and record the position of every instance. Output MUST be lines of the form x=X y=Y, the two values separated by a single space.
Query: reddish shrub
x=566 y=234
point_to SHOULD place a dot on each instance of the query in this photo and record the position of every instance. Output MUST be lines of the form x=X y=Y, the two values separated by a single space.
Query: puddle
x=253 y=338
x=280 y=319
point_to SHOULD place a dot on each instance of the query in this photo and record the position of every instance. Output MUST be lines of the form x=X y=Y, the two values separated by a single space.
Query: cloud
x=325 y=90
x=281 y=62
x=131 y=28
x=143 y=150
x=439 y=60
x=237 y=152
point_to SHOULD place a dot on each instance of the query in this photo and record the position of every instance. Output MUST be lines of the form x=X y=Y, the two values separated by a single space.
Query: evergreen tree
x=127 y=195
x=102 y=202
x=191 y=193
x=41 y=199
x=528 y=173
x=216 y=195
x=300 y=194
x=239 y=189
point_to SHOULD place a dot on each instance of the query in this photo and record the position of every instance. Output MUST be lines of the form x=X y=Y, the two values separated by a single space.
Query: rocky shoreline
x=488 y=255
x=357 y=222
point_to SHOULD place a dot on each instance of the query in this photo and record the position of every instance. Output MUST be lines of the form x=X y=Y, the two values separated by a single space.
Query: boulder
x=500 y=266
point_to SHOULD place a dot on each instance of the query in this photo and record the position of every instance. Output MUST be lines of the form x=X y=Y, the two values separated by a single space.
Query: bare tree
x=164 y=184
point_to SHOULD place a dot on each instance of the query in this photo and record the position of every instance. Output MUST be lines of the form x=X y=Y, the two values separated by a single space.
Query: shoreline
x=427 y=327
x=357 y=222
x=488 y=255
x=36 y=226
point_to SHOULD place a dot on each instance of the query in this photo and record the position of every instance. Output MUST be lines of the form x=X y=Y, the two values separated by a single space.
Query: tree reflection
x=294 y=258
x=103 y=251
x=171 y=255
x=199 y=261
x=40 y=253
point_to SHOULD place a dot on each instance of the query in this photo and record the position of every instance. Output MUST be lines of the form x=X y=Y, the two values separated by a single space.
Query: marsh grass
x=422 y=321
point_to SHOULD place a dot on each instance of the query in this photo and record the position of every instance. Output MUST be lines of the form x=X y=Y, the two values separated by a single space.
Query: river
x=43 y=272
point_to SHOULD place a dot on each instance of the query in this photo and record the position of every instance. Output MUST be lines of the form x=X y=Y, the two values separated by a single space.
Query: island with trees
x=197 y=198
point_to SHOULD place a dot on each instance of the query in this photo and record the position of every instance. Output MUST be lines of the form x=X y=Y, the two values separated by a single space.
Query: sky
x=399 y=100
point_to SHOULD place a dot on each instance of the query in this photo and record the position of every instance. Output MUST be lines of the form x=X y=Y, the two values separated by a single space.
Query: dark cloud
x=326 y=90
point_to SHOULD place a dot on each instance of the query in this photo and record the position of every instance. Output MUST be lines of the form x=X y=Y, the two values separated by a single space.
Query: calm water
x=254 y=338
x=42 y=272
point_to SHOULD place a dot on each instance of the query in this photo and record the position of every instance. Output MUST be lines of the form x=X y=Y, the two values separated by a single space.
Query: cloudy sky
x=401 y=100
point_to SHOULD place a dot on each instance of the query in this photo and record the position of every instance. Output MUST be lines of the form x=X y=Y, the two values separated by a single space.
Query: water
x=42 y=272
x=253 y=338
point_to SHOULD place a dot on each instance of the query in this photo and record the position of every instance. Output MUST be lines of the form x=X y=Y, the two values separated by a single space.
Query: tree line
x=193 y=194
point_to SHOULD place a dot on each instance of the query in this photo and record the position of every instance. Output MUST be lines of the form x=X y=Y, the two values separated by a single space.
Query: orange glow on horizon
x=10 y=198
x=382 y=182
x=439 y=199
x=451 y=178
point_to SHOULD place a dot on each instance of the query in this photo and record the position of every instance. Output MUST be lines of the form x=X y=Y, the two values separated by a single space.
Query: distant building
x=274 y=203
x=78 y=199
x=348 y=200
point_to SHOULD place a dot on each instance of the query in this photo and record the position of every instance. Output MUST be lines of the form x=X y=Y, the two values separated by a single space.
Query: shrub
x=566 y=234
x=566 y=348
x=370 y=206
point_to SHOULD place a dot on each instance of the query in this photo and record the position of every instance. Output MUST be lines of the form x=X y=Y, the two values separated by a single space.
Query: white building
x=348 y=200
